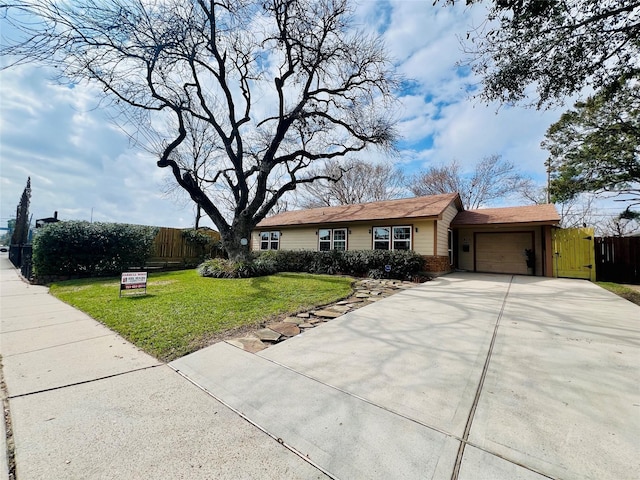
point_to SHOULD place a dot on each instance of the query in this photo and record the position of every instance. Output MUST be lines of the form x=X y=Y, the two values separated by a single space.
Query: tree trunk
x=198 y=216
x=236 y=243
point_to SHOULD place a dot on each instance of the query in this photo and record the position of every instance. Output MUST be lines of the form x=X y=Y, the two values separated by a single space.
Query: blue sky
x=84 y=167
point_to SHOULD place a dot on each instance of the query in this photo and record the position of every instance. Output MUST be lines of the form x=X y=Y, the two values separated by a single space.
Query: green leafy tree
x=559 y=46
x=5 y=238
x=596 y=146
x=282 y=84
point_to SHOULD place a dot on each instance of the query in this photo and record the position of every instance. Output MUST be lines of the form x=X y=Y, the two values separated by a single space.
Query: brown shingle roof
x=417 y=207
x=542 y=214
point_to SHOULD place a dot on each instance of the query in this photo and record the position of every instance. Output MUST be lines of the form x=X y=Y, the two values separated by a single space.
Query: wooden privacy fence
x=172 y=247
x=618 y=259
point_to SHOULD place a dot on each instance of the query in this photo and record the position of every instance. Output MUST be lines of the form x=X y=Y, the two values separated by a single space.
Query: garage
x=494 y=240
x=502 y=252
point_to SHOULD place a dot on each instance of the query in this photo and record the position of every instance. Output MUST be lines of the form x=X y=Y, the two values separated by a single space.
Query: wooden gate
x=618 y=259
x=574 y=253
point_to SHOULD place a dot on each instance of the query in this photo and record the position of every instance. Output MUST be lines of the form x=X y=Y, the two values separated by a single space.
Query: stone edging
x=366 y=292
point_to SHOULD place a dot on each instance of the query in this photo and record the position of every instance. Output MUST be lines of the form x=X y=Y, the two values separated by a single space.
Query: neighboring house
x=436 y=227
x=41 y=222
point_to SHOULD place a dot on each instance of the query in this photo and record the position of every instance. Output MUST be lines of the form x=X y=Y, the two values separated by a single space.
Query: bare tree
x=282 y=83
x=352 y=181
x=197 y=155
x=576 y=212
x=492 y=179
x=620 y=227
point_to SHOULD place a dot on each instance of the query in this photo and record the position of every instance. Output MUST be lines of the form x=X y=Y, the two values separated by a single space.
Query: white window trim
x=332 y=240
x=269 y=240
x=391 y=241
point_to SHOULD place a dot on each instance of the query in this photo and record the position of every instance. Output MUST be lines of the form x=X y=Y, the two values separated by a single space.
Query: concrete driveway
x=467 y=377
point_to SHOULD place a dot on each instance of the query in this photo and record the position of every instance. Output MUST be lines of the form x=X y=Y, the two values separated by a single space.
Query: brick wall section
x=436 y=264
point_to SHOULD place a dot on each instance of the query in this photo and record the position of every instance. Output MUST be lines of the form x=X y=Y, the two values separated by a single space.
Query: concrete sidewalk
x=86 y=404
x=471 y=377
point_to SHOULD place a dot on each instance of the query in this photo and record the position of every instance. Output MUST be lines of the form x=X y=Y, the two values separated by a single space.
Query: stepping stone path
x=366 y=291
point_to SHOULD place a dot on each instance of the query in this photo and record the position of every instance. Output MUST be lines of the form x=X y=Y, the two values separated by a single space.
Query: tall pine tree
x=21 y=233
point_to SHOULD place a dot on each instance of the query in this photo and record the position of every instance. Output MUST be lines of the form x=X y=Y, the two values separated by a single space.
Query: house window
x=392 y=238
x=402 y=238
x=381 y=237
x=332 y=239
x=269 y=240
x=340 y=239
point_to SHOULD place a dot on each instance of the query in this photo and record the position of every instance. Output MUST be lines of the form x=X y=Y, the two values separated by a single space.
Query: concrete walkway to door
x=470 y=377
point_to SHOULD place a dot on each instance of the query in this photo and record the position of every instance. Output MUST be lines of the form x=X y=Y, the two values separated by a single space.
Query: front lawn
x=183 y=312
x=622 y=291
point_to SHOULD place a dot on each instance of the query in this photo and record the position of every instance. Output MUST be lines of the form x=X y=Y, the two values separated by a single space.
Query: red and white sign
x=133 y=280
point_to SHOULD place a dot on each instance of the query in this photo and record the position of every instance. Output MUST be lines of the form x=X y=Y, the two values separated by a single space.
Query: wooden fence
x=618 y=259
x=172 y=248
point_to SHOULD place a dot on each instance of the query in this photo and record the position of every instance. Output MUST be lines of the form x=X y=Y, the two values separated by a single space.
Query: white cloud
x=78 y=161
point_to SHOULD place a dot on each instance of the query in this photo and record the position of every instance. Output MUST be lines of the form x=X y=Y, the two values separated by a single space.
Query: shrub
x=266 y=264
x=373 y=263
x=224 y=268
x=84 y=249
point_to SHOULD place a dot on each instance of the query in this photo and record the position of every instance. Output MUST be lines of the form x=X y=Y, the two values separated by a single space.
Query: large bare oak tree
x=282 y=84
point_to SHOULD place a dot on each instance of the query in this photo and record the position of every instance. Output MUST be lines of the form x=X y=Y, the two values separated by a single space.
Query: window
x=450 y=246
x=402 y=238
x=340 y=239
x=381 y=238
x=269 y=240
x=332 y=239
x=324 y=239
x=392 y=238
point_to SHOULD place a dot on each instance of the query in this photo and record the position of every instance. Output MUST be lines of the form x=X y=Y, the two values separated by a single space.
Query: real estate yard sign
x=133 y=282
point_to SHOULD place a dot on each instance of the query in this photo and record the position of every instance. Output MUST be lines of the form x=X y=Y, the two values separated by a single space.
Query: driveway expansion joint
x=279 y=440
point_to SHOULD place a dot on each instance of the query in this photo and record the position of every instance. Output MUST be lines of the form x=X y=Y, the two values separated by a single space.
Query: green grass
x=625 y=292
x=183 y=312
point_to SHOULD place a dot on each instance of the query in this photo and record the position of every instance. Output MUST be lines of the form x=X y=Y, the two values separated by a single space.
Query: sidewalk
x=85 y=403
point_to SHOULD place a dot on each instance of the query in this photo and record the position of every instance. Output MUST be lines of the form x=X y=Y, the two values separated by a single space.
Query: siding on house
x=443 y=229
x=359 y=236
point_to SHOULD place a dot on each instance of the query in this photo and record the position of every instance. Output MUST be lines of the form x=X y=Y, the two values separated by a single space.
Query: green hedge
x=372 y=263
x=82 y=249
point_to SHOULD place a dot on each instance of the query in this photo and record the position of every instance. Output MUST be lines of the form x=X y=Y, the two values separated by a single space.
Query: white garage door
x=502 y=252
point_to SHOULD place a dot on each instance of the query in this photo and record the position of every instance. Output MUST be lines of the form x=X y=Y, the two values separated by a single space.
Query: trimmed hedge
x=404 y=264
x=83 y=249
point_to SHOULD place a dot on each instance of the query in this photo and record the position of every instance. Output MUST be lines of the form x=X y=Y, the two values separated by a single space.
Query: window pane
x=275 y=235
x=325 y=246
x=340 y=245
x=324 y=235
x=401 y=245
x=401 y=233
x=264 y=245
x=274 y=245
x=340 y=234
x=264 y=236
x=381 y=233
x=381 y=245
x=401 y=238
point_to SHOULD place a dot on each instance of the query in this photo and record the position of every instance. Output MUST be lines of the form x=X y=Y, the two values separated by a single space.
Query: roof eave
x=505 y=224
